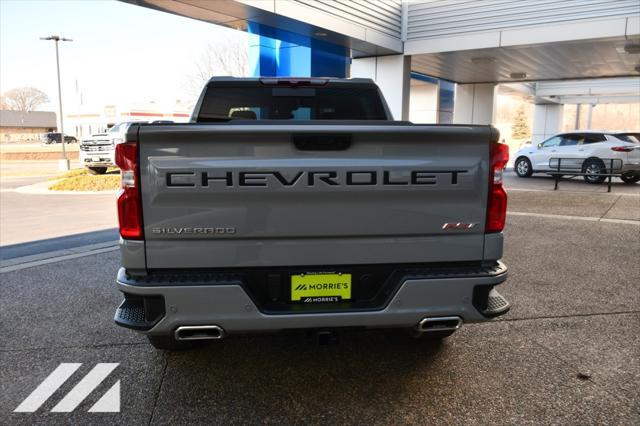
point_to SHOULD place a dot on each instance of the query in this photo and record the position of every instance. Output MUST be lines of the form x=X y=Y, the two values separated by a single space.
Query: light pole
x=64 y=161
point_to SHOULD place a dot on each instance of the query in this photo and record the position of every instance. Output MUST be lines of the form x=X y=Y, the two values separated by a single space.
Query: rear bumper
x=101 y=158
x=228 y=305
x=633 y=167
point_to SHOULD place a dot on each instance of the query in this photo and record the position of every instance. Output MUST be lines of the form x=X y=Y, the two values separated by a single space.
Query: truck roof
x=275 y=80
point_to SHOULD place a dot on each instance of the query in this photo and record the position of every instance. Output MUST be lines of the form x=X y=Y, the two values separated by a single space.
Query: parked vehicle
x=299 y=204
x=593 y=149
x=53 y=137
x=97 y=153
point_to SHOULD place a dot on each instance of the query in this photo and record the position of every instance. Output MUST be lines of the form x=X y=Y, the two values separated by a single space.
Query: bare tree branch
x=229 y=58
x=23 y=99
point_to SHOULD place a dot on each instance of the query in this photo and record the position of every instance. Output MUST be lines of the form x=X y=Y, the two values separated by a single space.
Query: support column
x=475 y=104
x=393 y=75
x=446 y=101
x=431 y=99
x=590 y=116
x=547 y=121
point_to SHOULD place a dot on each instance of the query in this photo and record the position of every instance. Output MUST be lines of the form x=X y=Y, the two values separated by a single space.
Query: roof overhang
x=591 y=91
x=297 y=19
x=539 y=62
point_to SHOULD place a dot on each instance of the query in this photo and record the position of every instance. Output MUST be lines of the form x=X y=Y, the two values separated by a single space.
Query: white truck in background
x=97 y=152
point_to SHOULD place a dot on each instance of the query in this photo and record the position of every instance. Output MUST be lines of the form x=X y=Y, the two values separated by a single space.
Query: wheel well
x=592 y=159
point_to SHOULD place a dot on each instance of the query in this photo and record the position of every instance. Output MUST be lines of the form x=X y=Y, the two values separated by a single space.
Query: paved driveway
x=29 y=217
x=567 y=353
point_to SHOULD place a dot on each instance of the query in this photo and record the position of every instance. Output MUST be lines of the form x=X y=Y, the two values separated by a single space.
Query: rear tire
x=97 y=170
x=594 y=168
x=168 y=343
x=523 y=167
x=630 y=178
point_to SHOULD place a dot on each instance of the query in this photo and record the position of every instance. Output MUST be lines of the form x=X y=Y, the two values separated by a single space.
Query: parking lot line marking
x=583 y=218
x=47 y=387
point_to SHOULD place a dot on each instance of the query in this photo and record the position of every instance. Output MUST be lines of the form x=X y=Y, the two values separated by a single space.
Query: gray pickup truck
x=299 y=204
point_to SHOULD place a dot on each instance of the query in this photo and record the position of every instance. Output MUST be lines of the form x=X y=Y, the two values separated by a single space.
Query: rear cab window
x=269 y=102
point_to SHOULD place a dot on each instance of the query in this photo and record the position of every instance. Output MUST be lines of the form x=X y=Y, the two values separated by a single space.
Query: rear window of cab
x=278 y=103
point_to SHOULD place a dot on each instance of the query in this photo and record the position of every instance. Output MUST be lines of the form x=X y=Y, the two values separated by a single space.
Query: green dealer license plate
x=320 y=287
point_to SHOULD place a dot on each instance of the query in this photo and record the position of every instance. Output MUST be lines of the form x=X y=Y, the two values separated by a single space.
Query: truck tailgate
x=235 y=195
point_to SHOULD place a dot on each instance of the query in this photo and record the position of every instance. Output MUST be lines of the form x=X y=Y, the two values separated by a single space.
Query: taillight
x=129 y=201
x=622 y=148
x=497 y=200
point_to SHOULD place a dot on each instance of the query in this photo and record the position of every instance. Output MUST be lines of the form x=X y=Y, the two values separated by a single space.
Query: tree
x=228 y=58
x=520 y=127
x=23 y=99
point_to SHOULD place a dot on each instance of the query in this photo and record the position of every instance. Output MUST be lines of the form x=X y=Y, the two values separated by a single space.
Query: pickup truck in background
x=97 y=152
x=300 y=204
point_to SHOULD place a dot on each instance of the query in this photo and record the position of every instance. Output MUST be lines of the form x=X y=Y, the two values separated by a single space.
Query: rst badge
x=458 y=225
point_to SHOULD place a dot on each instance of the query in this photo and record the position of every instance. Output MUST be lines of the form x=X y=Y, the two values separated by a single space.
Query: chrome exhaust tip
x=430 y=324
x=199 y=332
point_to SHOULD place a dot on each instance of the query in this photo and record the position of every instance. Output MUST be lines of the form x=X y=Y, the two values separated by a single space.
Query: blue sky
x=121 y=53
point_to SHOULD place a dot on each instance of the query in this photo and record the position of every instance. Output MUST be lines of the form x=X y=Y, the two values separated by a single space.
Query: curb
x=42 y=188
x=30 y=261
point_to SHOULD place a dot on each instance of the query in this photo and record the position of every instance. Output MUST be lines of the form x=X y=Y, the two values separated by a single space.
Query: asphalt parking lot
x=567 y=353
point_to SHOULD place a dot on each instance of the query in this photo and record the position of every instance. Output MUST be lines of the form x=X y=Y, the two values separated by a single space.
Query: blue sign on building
x=274 y=52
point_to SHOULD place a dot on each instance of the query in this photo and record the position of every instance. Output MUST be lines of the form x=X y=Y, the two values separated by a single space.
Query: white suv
x=591 y=149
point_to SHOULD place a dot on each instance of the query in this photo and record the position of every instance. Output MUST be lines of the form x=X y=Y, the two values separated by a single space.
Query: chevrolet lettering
x=312 y=178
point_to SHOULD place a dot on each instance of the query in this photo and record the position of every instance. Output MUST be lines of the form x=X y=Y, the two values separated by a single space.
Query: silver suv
x=593 y=149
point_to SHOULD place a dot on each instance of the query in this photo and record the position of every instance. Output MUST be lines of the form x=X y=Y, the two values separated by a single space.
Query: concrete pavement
x=35 y=217
x=567 y=353
x=30 y=217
